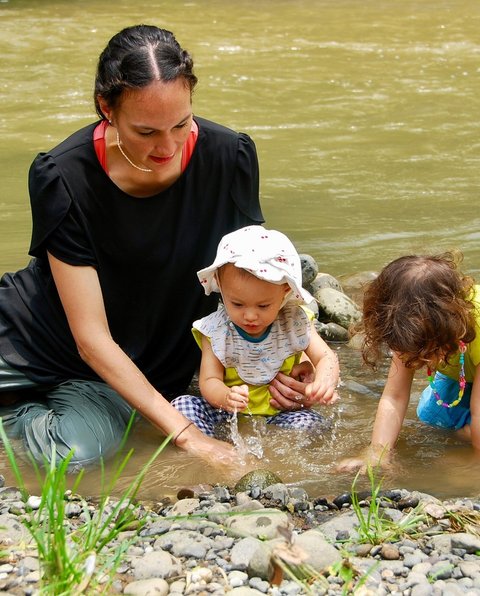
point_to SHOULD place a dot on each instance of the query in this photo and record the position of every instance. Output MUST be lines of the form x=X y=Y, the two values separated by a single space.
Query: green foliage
x=72 y=560
x=373 y=526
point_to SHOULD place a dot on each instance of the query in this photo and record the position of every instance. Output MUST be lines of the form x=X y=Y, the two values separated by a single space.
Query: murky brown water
x=366 y=121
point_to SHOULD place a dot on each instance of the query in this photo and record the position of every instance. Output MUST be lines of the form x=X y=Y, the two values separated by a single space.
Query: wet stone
x=389 y=552
x=257 y=478
x=309 y=268
x=325 y=280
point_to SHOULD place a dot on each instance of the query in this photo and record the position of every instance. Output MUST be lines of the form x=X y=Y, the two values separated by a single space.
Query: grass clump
x=464 y=520
x=373 y=526
x=72 y=560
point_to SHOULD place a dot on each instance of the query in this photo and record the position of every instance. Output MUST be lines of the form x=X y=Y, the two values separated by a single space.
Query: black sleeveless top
x=146 y=252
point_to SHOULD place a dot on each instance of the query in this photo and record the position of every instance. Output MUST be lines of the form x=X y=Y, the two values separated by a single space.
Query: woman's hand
x=217 y=453
x=288 y=391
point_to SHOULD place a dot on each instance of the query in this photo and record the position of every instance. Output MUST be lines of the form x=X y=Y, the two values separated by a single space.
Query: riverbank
x=218 y=540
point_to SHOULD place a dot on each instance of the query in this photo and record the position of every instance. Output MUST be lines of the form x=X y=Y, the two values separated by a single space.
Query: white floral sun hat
x=267 y=254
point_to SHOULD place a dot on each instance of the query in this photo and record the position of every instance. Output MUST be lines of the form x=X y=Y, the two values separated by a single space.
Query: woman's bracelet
x=174 y=441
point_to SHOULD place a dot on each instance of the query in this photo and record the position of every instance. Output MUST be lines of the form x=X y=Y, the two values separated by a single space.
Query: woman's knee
x=82 y=420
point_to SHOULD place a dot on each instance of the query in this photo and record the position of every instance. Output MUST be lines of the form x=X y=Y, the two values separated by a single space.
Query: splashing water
x=251 y=444
x=254 y=441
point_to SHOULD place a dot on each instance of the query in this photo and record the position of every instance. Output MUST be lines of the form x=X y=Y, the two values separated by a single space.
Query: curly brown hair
x=420 y=307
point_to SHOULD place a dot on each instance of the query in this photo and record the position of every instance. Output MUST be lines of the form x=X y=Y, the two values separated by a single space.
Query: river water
x=366 y=120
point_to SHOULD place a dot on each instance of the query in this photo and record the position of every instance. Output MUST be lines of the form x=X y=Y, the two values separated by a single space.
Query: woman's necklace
x=128 y=159
x=461 y=381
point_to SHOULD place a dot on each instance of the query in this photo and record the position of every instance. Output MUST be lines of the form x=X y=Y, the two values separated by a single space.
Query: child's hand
x=321 y=392
x=372 y=456
x=236 y=399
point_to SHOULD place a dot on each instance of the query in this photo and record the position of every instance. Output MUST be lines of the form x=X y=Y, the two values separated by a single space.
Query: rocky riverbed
x=242 y=542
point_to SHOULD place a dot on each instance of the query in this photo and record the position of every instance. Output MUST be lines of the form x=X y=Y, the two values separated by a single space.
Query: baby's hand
x=321 y=392
x=236 y=399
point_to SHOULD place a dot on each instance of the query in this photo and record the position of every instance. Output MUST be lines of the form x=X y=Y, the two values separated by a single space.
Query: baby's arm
x=212 y=387
x=323 y=388
x=388 y=420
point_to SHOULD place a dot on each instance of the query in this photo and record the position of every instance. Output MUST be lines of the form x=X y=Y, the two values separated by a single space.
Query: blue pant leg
x=86 y=416
x=200 y=412
x=305 y=419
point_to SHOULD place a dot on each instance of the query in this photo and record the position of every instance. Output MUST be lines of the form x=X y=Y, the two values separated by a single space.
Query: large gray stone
x=324 y=280
x=257 y=479
x=12 y=531
x=309 y=268
x=466 y=541
x=332 y=332
x=262 y=524
x=148 y=587
x=185 y=543
x=251 y=554
x=321 y=554
x=156 y=564
x=347 y=522
x=338 y=307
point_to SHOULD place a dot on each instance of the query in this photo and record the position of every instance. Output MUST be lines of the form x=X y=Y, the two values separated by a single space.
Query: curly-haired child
x=427 y=313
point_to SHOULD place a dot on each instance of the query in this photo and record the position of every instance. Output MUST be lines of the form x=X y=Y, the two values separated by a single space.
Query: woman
x=125 y=211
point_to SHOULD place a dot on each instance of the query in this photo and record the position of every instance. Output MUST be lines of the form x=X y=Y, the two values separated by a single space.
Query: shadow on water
x=426 y=459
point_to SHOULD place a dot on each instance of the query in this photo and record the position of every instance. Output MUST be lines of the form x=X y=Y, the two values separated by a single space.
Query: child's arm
x=388 y=420
x=472 y=432
x=212 y=387
x=323 y=388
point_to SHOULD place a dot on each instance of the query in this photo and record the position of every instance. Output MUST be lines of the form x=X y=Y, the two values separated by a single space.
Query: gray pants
x=86 y=416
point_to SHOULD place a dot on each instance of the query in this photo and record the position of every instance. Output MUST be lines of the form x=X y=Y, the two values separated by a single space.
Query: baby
x=261 y=328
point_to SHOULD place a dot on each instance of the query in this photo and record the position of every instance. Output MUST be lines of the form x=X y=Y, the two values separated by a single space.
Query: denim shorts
x=431 y=413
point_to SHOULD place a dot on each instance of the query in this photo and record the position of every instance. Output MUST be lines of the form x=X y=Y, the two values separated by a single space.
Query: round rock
x=257 y=479
x=309 y=268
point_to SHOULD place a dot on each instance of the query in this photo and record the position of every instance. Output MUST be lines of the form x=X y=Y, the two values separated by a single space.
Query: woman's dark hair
x=420 y=307
x=137 y=56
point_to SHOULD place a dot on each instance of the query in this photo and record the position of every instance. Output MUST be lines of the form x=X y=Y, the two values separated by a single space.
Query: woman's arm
x=81 y=296
x=388 y=420
x=212 y=387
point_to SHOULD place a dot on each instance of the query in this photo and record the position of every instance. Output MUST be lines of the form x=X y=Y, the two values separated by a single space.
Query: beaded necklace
x=461 y=381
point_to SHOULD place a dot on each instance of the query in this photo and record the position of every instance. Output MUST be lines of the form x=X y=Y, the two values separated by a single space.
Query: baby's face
x=251 y=303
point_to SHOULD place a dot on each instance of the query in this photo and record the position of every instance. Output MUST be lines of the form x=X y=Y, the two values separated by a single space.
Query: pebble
x=239 y=545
